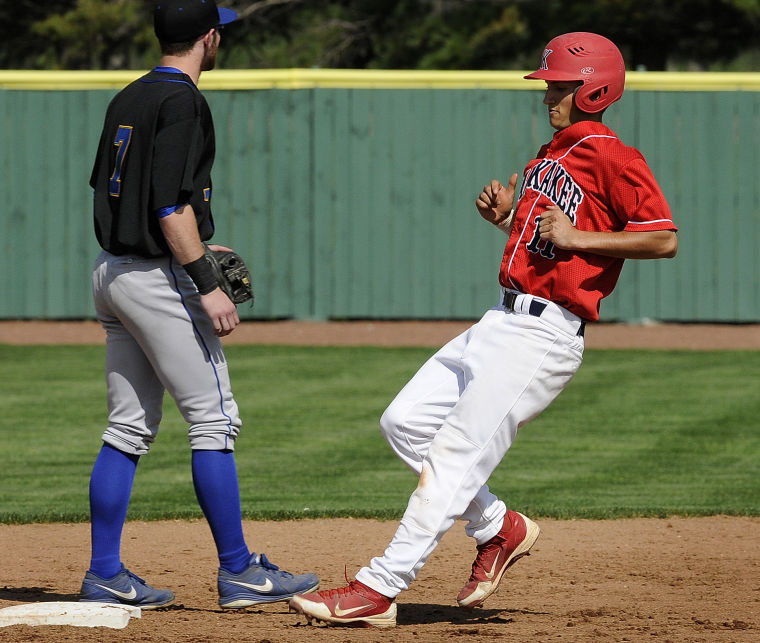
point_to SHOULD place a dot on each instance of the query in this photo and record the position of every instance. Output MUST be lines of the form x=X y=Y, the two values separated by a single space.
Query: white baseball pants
x=455 y=420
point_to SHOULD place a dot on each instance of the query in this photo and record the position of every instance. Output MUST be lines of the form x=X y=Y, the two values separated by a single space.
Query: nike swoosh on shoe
x=351 y=610
x=127 y=596
x=266 y=587
x=490 y=574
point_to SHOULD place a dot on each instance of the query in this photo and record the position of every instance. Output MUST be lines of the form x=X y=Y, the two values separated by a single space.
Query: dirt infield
x=669 y=580
x=407 y=333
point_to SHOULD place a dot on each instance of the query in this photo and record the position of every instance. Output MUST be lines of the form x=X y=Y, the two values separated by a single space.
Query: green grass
x=648 y=433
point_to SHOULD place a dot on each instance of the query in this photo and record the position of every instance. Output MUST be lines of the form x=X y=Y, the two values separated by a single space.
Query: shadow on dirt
x=424 y=614
x=34 y=594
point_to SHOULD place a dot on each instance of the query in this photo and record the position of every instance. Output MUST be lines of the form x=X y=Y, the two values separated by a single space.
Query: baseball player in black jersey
x=163 y=312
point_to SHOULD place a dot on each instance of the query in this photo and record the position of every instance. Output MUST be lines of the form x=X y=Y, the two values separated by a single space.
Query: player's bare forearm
x=180 y=230
x=556 y=227
x=657 y=244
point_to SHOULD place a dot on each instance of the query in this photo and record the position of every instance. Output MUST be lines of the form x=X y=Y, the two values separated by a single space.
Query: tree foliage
x=95 y=34
x=390 y=34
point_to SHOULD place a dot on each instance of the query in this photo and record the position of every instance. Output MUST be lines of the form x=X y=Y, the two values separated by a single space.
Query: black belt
x=535 y=309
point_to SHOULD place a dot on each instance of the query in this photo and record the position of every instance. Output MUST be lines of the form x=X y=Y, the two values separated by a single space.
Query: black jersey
x=156 y=151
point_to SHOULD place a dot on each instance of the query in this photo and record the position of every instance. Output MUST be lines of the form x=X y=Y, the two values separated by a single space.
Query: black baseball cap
x=184 y=20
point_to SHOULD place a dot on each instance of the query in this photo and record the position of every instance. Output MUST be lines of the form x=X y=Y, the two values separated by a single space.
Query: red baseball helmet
x=587 y=57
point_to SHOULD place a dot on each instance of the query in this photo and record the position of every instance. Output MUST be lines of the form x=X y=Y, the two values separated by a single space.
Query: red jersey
x=603 y=186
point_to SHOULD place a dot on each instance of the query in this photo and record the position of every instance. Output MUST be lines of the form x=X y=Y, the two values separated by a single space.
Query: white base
x=68 y=613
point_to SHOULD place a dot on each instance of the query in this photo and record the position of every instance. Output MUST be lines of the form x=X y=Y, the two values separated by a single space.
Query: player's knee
x=391 y=423
x=393 y=426
x=131 y=440
x=212 y=439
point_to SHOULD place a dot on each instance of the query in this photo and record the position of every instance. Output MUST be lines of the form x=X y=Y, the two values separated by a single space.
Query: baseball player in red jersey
x=586 y=203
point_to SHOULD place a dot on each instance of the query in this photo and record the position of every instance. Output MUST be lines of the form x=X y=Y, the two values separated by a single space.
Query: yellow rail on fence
x=370 y=79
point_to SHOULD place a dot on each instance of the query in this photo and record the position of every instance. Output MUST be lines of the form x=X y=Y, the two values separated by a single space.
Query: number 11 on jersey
x=121 y=142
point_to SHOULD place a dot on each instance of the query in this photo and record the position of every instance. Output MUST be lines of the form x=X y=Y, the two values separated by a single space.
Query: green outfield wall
x=351 y=192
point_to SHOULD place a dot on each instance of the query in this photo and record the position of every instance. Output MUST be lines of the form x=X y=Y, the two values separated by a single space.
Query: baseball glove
x=232 y=274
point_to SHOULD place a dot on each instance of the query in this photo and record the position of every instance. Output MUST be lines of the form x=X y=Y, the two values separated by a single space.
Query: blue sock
x=110 y=490
x=216 y=487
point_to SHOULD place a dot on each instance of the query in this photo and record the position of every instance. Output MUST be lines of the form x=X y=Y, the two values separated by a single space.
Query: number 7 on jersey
x=121 y=142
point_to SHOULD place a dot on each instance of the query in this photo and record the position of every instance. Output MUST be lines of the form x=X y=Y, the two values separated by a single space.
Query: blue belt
x=535 y=309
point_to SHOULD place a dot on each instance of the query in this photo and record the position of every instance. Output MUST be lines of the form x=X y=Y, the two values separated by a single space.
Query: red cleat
x=355 y=605
x=517 y=535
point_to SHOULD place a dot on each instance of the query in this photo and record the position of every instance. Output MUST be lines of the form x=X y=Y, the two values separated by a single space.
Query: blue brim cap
x=226 y=16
